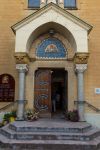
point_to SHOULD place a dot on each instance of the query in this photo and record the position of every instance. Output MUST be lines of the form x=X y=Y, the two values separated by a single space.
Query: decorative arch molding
x=57 y=28
x=77 y=27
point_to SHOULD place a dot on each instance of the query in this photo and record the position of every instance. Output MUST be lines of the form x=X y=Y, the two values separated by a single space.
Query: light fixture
x=51 y=32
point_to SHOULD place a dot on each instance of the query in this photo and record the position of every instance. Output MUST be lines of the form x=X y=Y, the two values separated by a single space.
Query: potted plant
x=9 y=117
x=72 y=116
x=31 y=115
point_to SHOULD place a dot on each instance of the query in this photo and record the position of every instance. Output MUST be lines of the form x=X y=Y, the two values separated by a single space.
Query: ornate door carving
x=43 y=90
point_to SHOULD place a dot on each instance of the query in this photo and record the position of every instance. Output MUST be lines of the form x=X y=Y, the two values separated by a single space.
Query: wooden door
x=43 y=90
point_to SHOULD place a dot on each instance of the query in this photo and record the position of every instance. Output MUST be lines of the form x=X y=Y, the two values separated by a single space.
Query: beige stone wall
x=10 y=13
x=13 y=11
x=90 y=12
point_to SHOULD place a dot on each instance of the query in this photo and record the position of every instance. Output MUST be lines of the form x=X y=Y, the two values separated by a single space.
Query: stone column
x=80 y=68
x=61 y=3
x=22 y=59
x=42 y=3
x=49 y=1
x=22 y=69
x=34 y=71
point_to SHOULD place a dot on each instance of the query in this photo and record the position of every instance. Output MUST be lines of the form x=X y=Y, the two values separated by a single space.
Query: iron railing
x=11 y=105
x=88 y=104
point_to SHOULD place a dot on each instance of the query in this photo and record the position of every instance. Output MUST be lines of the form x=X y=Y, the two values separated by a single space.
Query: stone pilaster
x=61 y=3
x=34 y=71
x=42 y=3
x=22 y=69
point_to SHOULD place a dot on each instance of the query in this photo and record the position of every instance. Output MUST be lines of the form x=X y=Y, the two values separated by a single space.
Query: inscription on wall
x=7 y=88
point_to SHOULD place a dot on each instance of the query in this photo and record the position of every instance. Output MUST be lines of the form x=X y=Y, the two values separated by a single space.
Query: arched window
x=70 y=3
x=33 y=3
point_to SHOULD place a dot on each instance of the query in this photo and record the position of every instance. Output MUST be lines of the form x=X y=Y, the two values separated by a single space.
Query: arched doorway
x=51 y=91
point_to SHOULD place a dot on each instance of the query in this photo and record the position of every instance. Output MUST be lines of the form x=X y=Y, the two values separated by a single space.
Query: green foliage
x=31 y=115
x=8 y=115
x=72 y=116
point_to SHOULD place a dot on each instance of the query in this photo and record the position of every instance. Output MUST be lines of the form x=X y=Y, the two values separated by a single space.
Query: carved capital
x=22 y=58
x=80 y=68
x=81 y=58
x=22 y=67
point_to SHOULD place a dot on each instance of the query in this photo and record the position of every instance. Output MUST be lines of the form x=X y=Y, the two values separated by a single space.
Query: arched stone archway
x=58 y=28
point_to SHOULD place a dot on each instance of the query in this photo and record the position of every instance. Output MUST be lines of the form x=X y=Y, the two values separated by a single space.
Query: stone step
x=7 y=144
x=49 y=134
x=52 y=127
x=11 y=134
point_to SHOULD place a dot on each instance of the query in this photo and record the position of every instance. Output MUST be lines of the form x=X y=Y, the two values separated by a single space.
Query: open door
x=42 y=96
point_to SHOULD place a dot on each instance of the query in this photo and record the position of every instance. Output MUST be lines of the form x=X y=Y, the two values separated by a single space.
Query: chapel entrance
x=58 y=91
x=50 y=97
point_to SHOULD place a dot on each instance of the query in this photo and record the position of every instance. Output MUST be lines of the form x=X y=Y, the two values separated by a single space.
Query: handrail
x=88 y=104
x=93 y=107
x=7 y=106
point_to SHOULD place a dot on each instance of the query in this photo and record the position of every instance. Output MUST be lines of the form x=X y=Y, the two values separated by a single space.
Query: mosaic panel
x=51 y=48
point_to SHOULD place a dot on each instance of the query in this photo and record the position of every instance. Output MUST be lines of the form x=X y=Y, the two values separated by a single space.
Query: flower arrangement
x=72 y=116
x=8 y=117
x=31 y=115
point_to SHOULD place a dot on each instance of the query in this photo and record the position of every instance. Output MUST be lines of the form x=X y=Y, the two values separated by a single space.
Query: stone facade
x=18 y=45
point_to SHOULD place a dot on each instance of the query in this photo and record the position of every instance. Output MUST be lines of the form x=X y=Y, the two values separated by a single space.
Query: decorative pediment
x=74 y=28
x=45 y=9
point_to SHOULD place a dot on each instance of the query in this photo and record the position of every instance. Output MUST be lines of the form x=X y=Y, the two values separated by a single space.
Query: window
x=33 y=3
x=70 y=3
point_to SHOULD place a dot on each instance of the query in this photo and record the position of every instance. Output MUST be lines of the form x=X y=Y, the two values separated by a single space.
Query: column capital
x=81 y=58
x=80 y=68
x=22 y=67
x=22 y=58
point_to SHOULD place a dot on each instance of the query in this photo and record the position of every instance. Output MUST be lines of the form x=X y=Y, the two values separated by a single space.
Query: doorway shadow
x=58 y=92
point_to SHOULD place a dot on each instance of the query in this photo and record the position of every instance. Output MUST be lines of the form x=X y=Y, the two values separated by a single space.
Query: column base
x=20 y=119
x=82 y=120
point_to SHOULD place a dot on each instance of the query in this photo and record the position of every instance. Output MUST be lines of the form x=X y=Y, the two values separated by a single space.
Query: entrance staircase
x=49 y=134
